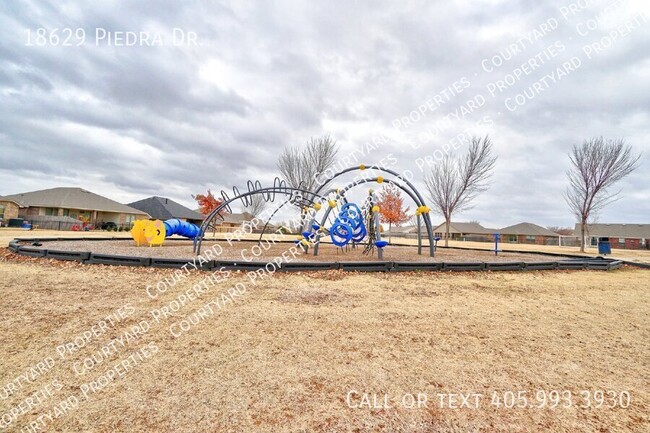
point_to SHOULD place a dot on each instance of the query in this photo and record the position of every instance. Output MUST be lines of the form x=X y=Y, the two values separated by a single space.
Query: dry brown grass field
x=301 y=352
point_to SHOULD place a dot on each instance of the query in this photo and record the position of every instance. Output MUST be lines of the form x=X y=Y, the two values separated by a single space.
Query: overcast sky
x=129 y=115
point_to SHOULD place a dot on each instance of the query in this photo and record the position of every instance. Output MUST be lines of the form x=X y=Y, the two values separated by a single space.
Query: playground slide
x=183 y=228
x=154 y=232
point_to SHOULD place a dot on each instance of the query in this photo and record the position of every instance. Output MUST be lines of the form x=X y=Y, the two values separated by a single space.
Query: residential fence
x=53 y=222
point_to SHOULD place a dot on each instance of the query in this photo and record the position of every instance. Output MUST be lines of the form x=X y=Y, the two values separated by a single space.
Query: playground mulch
x=181 y=249
x=285 y=355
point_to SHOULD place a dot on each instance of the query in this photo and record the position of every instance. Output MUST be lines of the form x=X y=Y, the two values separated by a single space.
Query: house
x=464 y=232
x=529 y=233
x=163 y=208
x=410 y=231
x=233 y=221
x=628 y=236
x=8 y=209
x=76 y=203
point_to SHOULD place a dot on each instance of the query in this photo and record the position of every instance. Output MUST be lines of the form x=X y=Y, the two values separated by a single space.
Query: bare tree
x=454 y=182
x=596 y=165
x=256 y=206
x=301 y=166
x=564 y=231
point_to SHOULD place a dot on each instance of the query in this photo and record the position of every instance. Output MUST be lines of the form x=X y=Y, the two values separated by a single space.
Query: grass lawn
x=322 y=352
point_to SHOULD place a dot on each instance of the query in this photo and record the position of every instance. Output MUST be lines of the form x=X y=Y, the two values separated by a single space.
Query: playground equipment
x=312 y=202
x=351 y=225
x=154 y=232
x=348 y=226
x=497 y=237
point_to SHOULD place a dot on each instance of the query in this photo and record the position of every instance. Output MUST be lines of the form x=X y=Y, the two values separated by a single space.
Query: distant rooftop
x=71 y=198
x=237 y=218
x=527 y=229
x=639 y=231
x=468 y=228
x=165 y=208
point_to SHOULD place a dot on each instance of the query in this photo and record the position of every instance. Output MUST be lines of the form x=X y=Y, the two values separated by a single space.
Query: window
x=2 y=212
x=621 y=240
x=530 y=238
x=66 y=212
x=512 y=238
x=49 y=211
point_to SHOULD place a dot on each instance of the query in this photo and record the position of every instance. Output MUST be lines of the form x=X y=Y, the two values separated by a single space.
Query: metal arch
x=371 y=167
x=268 y=220
x=271 y=191
x=426 y=217
x=268 y=193
x=413 y=194
x=366 y=180
x=307 y=225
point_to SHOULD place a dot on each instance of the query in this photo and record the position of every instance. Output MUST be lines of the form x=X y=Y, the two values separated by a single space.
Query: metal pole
x=419 y=235
x=380 y=252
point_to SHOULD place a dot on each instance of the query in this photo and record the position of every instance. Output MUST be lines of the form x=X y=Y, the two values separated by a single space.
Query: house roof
x=404 y=229
x=71 y=198
x=527 y=229
x=164 y=208
x=470 y=228
x=639 y=231
x=237 y=217
x=11 y=200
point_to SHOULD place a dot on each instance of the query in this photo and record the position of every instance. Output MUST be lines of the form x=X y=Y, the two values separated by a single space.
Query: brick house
x=464 y=232
x=76 y=203
x=410 y=231
x=627 y=236
x=8 y=209
x=529 y=233
x=233 y=221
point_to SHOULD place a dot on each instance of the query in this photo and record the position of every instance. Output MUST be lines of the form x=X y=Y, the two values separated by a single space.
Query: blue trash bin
x=604 y=247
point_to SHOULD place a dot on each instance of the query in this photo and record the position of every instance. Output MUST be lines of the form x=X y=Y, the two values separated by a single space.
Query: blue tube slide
x=175 y=226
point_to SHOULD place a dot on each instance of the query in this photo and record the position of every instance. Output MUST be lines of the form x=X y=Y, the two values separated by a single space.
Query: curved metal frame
x=425 y=217
x=268 y=220
x=271 y=191
x=413 y=194
x=280 y=187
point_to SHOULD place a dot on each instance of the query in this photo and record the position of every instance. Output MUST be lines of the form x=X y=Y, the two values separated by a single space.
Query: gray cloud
x=128 y=122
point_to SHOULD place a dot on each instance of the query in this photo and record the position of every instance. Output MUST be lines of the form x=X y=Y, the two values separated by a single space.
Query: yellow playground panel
x=147 y=232
x=154 y=232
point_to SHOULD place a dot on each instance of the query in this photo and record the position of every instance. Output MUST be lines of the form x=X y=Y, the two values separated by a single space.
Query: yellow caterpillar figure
x=147 y=232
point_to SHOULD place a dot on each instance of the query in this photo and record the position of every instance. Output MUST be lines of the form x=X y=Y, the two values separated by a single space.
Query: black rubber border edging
x=638 y=265
x=31 y=251
x=366 y=266
x=575 y=263
x=79 y=256
x=13 y=246
x=463 y=266
x=308 y=266
x=505 y=266
x=416 y=266
x=162 y=262
x=109 y=259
